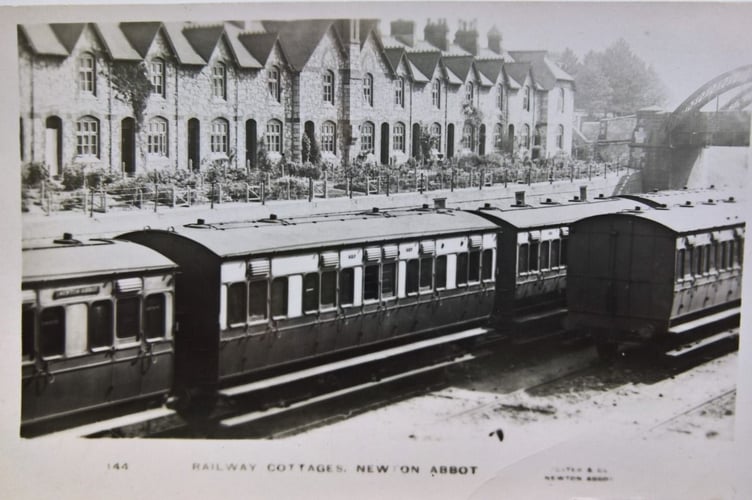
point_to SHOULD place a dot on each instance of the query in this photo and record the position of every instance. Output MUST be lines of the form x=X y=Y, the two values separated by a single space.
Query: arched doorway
x=416 y=140
x=53 y=145
x=385 y=143
x=482 y=140
x=251 y=139
x=450 y=140
x=128 y=146
x=194 y=144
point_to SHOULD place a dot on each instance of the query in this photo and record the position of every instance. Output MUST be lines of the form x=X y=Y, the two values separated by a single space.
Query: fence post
x=421 y=186
x=397 y=185
x=288 y=188
x=310 y=189
x=103 y=194
x=451 y=180
x=481 y=180
x=263 y=192
x=49 y=203
x=172 y=188
x=388 y=181
x=349 y=184
x=91 y=203
x=368 y=185
x=156 y=194
x=211 y=198
x=326 y=185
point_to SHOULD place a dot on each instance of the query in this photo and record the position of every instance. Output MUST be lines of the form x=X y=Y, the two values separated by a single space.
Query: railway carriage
x=97 y=322
x=265 y=294
x=655 y=275
x=532 y=277
x=676 y=197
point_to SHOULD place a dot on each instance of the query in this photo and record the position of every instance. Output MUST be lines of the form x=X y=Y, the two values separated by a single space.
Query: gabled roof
x=426 y=62
x=183 y=50
x=68 y=33
x=455 y=50
x=115 y=42
x=459 y=65
x=140 y=35
x=394 y=56
x=489 y=68
x=204 y=39
x=451 y=77
x=259 y=45
x=545 y=72
x=416 y=74
x=518 y=71
x=42 y=39
x=389 y=42
x=299 y=39
x=508 y=80
x=242 y=56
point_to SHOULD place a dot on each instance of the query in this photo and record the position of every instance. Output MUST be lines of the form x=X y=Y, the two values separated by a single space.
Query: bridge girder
x=740 y=101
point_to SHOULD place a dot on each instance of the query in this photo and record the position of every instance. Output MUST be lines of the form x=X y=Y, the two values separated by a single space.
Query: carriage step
x=705 y=320
x=693 y=346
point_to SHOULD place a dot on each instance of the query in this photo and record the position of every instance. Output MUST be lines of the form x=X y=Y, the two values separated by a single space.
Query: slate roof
x=259 y=45
x=459 y=65
x=242 y=56
x=394 y=56
x=42 y=39
x=545 y=72
x=299 y=39
x=490 y=69
x=183 y=49
x=68 y=33
x=140 y=35
x=426 y=62
x=115 y=42
x=517 y=71
x=203 y=39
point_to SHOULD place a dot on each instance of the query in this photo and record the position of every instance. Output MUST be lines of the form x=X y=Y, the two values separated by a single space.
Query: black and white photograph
x=385 y=250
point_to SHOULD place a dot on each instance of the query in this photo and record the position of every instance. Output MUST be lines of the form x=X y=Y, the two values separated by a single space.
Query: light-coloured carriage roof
x=93 y=258
x=554 y=215
x=675 y=197
x=253 y=237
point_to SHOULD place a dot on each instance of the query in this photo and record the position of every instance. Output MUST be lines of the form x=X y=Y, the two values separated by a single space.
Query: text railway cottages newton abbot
x=141 y=96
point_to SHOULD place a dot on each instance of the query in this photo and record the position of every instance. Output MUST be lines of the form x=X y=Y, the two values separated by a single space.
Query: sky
x=688 y=44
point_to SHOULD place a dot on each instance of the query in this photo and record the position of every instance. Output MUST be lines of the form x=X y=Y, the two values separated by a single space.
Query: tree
x=568 y=61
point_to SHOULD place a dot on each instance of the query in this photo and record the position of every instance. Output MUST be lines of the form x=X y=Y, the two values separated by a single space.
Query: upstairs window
x=526 y=98
x=399 y=92
x=436 y=94
x=157 y=138
x=469 y=92
x=87 y=136
x=87 y=73
x=562 y=99
x=157 y=73
x=500 y=97
x=560 y=136
x=368 y=89
x=219 y=136
x=219 y=81
x=273 y=81
x=274 y=136
x=526 y=136
x=328 y=137
x=329 y=87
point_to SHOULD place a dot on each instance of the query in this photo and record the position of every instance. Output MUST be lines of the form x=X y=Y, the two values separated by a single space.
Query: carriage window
x=371 y=282
x=740 y=250
x=236 y=303
x=388 y=279
x=100 y=324
x=680 y=264
x=311 y=292
x=545 y=250
x=52 y=331
x=555 y=254
x=279 y=297
x=706 y=254
x=128 y=317
x=257 y=299
x=346 y=287
x=27 y=331
x=154 y=316
x=474 y=266
x=724 y=254
x=733 y=253
x=441 y=271
x=411 y=278
x=487 y=265
x=713 y=254
x=696 y=259
x=523 y=258
x=534 y=247
x=328 y=289
x=461 y=269
x=688 y=262
x=563 y=261
x=426 y=273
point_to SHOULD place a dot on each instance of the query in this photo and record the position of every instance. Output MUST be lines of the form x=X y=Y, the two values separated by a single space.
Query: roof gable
x=42 y=39
x=204 y=39
x=259 y=45
x=115 y=42
x=459 y=65
x=242 y=57
x=140 y=35
x=394 y=56
x=545 y=73
x=299 y=39
x=518 y=71
x=490 y=68
x=183 y=50
x=68 y=33
x=425 y=62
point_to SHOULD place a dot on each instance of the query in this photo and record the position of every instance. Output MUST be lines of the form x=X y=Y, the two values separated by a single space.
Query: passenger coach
x=655 y=274
x=97 y=320
x=262 y=294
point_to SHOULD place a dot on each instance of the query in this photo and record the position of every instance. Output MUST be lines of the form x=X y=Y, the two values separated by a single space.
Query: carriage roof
x=227 y=239
x=673 y=197
x=58 y=261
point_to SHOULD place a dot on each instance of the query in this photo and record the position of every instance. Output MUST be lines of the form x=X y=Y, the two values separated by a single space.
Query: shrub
x=73 y=177
x=33 y=173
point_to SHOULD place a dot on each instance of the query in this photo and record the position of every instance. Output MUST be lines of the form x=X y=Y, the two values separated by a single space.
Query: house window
x=398 y=138
x=158 y=77
x=399 y=92
x=368 y=89
x=157 y=138
x=329 y=87
x=366 y=137
x=273 y=81
x=87 y=73
x=87 y=136
x=219 y=136
x=219 y=80
x=328 y=137
x=560 y=137
x=436 y=135
x=526 y=98
x=274 y=136
x=500 y=97
x=436 y=94
x=468 y=136
x=469 y=92
x=562 y=101
x=498 y=136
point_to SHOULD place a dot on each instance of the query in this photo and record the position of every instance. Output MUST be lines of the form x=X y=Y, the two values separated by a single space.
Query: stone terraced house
x=144 y=96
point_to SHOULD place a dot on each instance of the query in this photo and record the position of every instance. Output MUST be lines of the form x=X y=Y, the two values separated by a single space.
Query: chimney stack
x=494 y=40
x=467 y=37
x=404 y=31
x=436 y=34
